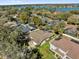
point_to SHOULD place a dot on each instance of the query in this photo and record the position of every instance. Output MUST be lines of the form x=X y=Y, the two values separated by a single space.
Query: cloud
x=8 y=2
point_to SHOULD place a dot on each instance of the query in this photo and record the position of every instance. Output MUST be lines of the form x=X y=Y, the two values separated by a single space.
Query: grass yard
x=44 y=50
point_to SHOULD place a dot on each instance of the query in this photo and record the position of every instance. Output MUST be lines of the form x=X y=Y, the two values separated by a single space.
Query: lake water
x=56 y=9
x=66 y=9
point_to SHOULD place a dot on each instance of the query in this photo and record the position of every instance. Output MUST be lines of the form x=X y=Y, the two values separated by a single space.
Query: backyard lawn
x=44 y=50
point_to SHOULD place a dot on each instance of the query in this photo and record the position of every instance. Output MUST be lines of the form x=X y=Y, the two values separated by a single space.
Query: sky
x=12 y=2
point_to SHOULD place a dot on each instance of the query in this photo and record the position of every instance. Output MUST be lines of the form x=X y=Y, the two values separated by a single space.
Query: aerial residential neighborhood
x=39 y=31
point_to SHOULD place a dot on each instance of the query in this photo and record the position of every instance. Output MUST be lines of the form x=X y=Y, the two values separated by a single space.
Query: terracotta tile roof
x=69 y=26
x=59 y=52
x=39 y=35
x=68 y=46
x=57 y=12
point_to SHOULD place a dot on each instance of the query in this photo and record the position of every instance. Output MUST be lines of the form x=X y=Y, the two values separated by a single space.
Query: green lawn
x=44 y=50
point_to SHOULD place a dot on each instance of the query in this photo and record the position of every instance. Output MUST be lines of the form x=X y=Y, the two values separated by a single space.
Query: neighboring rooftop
x=39 y=35
x=71 y=30
x=57 y=12
x=70 y=26
x=68 y=46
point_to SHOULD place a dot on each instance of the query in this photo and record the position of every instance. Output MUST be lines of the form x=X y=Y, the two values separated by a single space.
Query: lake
x=66 y=9
x=51 y=8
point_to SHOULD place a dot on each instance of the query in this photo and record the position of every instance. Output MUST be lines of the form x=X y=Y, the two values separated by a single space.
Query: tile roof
x=69 y=26
x=68 y=46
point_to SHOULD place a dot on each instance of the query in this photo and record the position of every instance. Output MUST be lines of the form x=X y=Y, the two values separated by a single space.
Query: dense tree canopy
x=63 y=16
x=24 y=17
x=9 y=47
x=74 y=19
x=74 y=12
x=37 y=21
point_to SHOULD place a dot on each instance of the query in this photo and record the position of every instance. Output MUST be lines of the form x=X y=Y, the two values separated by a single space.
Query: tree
x=63 y=16
x=24 y=17
x=74 y=19
x=58 y=28
x=28 y=9
x=74 y=12
x=37 y=21
x=9 y=48
x=12 y=10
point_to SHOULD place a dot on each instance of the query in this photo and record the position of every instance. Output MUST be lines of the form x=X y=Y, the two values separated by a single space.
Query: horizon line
x=41 y=3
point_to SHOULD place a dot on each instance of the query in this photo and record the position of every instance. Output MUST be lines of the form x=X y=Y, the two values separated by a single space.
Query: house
x=39 y=36
x=71 y=29
x=24 y=28
x=55 y=22
x=57 y=12
x=44 y=20
x=32 y=26
x=65 y=47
